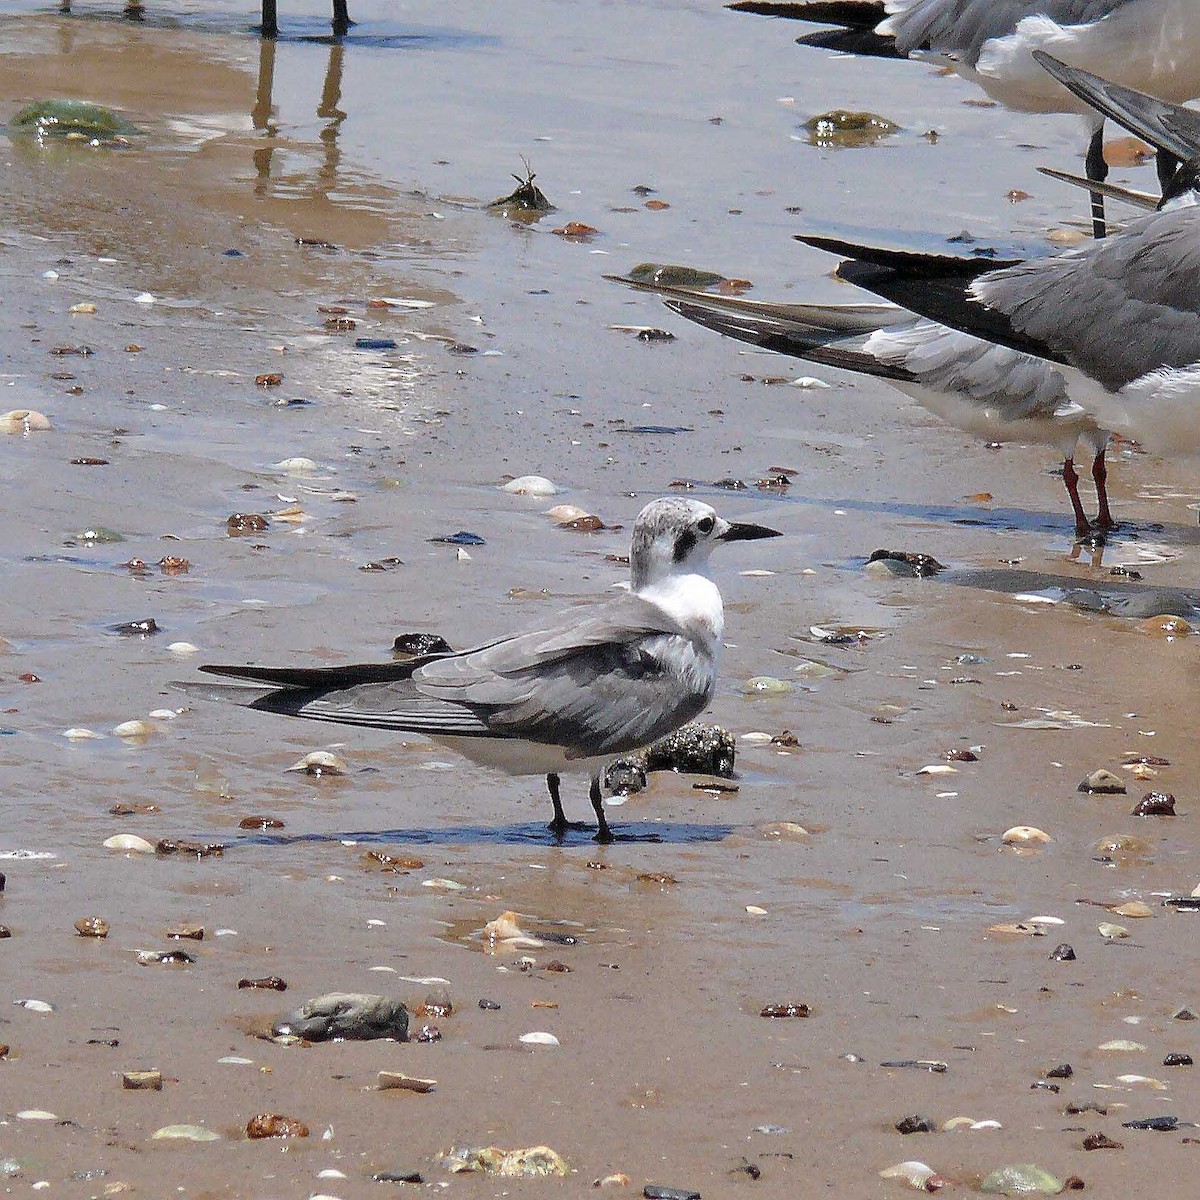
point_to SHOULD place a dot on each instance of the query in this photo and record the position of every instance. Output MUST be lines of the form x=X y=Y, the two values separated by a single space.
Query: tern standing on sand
x=595 y=683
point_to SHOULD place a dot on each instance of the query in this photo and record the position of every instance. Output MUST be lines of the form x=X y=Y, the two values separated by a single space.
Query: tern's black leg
x=1100 y=475
x=270 y=19
x=1083 y=527
x=603 y=833
x=341 y=18
x=1097 y=170
x=560 y=824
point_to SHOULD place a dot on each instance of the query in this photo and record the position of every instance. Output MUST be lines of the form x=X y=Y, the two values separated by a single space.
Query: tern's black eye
x=706 y=525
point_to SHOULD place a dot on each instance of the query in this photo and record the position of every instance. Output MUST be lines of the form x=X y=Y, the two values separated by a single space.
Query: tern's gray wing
x=958 y=29
x=888 y=342
x=610 y=681
x=1115 y=309
x=603 y=680
x=1166 y=126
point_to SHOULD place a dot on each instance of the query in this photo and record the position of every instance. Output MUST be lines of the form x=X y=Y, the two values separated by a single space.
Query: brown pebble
x=239 y=523
x=142 y=1081
x=172 y=564
x=786 y=738
x=4 y=1049
x=194 y=932
x=786 y=1010
x=961 y=755
x=92 y=927
x=268 y=983
x=391 y=862
x=268 y=379
x=272 y=1125
x=260 y=823
x=661 y=878
x=389 y=1080
x=558 y=968
x=5 y=932
x=428 y=1033
x=122 y=809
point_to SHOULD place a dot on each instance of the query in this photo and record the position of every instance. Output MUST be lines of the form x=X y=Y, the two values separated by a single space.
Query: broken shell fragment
x=539 y=1038
x=320 y=762
x=1021 y=1179
x=188 y=1133
x=532 y=1161
x=1107 y=929
x=272 y=1125
x=24 y=420
x=1025 y=835
x=917 y=1175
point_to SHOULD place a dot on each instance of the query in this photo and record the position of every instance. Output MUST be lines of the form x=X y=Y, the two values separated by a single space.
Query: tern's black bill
x=742 y=531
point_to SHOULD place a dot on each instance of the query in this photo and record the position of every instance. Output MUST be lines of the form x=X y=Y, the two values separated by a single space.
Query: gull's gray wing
x=603 y=680
x=958 y=29
x=1116 y=309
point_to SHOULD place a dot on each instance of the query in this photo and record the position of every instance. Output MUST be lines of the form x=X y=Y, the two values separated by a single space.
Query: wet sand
x=881 y=917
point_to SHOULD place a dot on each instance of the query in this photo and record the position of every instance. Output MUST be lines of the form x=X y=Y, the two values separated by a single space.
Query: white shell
x=1025 y=835
x=531 y=485
x=538 y=1038
x=129 y=842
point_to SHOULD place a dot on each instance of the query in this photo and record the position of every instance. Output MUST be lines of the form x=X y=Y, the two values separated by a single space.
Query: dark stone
x=418 y=644
x=462 y=538
x=1178 y=1060
x=654 y=1191
x=144 y=628
x=1100 y=1141
x=489 y=1005
x=350 y=1016
x=1062 y=1071
x=1063 y=952
x=915 y=1123
x=398 y=1177
x=1154 y=804
x=923 y=565
x=1159 y=1124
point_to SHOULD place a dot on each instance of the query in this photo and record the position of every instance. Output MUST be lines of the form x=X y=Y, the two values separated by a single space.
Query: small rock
x=92 y=927
x=419 y=644
x=1025 y=835
x=388 y=1080
x=1021 y=1179
x=268 y=983
x=777 y=1011
x=1177 y=1060
x=916 y=1123
x=141 y=1081
x=320 y=762
x=1103 y=783
x=1063 y=952
x=1100 y=1141
x=655 y=1191
x=352 y=1016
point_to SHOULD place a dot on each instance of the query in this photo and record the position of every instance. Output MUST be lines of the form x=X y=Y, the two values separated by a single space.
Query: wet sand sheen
x=879 y=919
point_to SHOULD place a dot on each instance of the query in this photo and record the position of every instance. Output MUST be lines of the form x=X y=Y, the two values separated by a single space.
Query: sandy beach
x=837 y=873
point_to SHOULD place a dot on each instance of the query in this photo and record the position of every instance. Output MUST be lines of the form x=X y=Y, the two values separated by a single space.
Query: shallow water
x=385 y=148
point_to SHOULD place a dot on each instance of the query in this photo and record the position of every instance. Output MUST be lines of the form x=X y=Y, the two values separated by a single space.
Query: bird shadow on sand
x=532 y=833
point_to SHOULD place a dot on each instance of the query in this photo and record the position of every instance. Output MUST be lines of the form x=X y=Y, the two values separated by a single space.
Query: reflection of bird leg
x=328 y=111
x=264 y=109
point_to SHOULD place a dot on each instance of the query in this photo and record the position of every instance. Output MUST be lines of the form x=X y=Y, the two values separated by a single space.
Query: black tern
x=571 y=695
x=1153 y=44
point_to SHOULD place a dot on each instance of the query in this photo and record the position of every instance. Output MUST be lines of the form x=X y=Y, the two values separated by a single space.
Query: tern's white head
x=674 y=536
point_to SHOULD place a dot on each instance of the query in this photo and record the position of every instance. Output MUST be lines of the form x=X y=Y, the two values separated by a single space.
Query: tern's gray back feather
x=605 y=680
x=958 y=29
x=1015 y=386
x=1117 y=309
